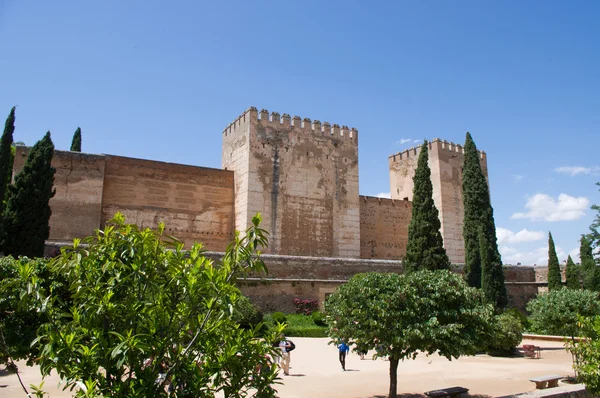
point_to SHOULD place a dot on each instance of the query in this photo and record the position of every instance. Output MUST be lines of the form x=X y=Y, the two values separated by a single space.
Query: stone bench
x=450 y=392
x=548 y=381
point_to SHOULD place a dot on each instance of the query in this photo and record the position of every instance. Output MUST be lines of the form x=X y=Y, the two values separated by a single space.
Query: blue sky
x=160 y=80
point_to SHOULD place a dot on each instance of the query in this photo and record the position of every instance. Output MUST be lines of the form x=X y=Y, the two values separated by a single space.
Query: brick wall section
x=76 y=206
x=301 y=176
x=445 y=161
x=384 y=227
x=195 y=203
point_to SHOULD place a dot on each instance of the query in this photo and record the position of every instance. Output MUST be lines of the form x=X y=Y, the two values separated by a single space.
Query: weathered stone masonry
x=302 y=176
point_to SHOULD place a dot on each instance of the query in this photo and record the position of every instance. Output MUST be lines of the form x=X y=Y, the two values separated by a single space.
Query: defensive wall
x=446 y=160
x=291 y=277
x=195 y=203
x=302 y=176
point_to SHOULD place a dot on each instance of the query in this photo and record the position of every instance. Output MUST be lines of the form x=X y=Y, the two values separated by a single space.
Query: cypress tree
x=572 y=275
x=474 y=194
x=589 y=270
x=492 y=274
x=554 y=279
x=6 y=157
x=425 y=248
x=76 y=142
x=27 y=213
x=483 y=263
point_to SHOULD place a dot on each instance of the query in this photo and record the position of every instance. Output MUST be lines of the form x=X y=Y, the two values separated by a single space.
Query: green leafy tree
x=76 y=142
x=20 y=318
x=594 y=235
x=554 y=278
x=140 y=309
x=246 y=314
x=508 y=333
x=589 y=271
x=483 y=263
x=572 y=275
x=587 y=354
x=401 y=316
x=6 y=157
x=556 y=312
x=25 y=221
x=425 y=247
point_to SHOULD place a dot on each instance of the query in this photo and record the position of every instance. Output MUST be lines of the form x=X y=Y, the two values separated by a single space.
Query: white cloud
x=575 y=255
x=518 y=177
x=573 y=170
x=538 y=256
x=408 y=140
x=542 y=207
x=507 y=236
x=384 y=195
x=507 y=250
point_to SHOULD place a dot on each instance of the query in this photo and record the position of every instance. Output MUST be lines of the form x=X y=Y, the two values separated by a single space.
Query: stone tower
x=446 y=161
x=302 y=176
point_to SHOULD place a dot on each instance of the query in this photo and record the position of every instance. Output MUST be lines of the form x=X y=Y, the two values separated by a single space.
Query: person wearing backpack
x=285 y=346
x=343 y=351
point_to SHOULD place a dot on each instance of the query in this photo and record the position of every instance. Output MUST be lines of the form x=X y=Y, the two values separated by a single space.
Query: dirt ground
x=316 y=372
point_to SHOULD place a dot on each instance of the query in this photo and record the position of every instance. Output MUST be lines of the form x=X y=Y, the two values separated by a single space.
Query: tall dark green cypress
x=425 y=248
x=483 y=263
x=589 y=271
x=6 y=157
x=572 y=275
x=554 y=279
x=27 y=213
x=76 y=142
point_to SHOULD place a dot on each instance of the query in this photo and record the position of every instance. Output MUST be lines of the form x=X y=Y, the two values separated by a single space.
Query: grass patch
x=299 y=326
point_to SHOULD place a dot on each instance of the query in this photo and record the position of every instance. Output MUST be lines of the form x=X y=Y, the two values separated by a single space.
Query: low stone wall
x=291 y=277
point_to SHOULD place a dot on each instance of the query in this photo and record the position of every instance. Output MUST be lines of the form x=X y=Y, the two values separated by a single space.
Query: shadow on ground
x=4 y=372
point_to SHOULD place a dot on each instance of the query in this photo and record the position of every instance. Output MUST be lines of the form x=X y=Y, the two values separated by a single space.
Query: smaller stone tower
x=445 y=161
x=302 y=176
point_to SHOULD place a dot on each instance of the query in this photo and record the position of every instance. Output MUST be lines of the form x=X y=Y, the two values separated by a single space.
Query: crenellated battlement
x=440 y=144
x=240 y=121
x=403 y=202
x=276 y=120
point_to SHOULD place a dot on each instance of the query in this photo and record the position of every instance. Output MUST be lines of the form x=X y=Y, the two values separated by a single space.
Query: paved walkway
x=316 y=372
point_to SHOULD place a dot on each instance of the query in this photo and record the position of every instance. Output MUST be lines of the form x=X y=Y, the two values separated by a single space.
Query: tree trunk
x=393 y=377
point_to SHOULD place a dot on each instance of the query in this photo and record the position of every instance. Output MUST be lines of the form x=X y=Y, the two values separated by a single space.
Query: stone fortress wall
x=195 y=203
x=301 y=175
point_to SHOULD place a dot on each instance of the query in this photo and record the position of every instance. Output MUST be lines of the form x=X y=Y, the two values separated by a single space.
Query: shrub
x=520 y=316
x=318 y=318
x=507 y=335
x=19 y=316
x=557 y=311
x=305 y=307
x=587 y=354
x=314 y=331
x=142 y=305
x=246 y=314
x=278 y=317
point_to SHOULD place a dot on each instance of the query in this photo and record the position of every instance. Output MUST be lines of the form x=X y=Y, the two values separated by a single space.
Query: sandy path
x=316 y=372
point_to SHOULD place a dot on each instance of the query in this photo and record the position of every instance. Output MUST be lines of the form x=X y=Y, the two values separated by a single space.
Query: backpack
x=292 y=346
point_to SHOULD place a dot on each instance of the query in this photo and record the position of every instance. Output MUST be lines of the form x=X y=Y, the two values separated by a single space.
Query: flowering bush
x=305 y=307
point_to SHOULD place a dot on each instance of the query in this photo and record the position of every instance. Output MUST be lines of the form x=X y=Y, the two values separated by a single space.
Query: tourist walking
x=285 y=346
x=343 y=350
